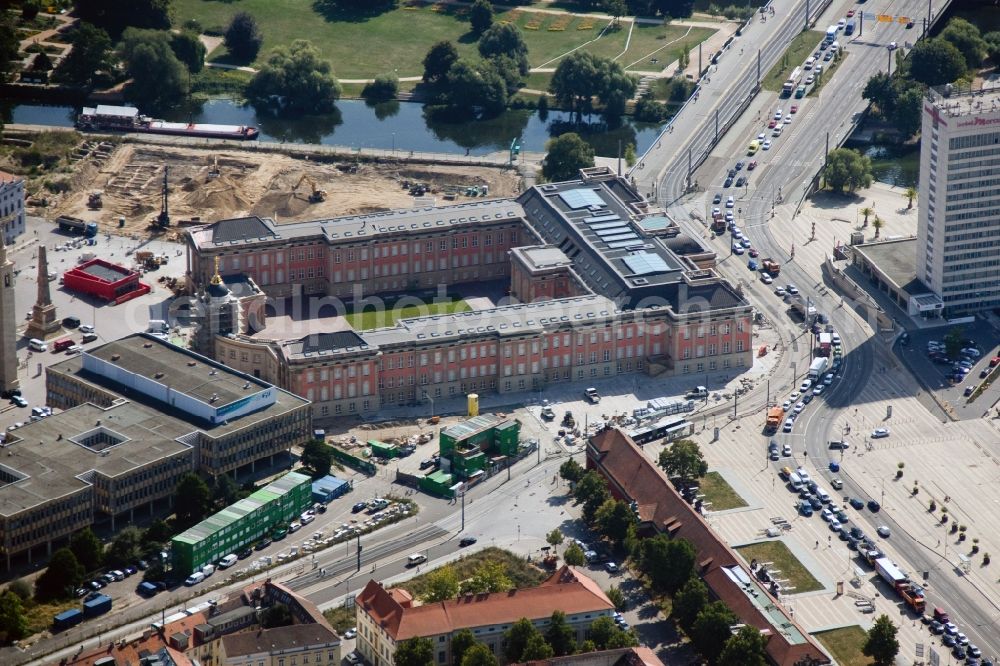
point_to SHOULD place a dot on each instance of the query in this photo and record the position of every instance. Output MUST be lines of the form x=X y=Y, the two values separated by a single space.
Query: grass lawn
x=521 y=573
x=40 y=616
x=370 y=318
x=845 y=645
x=801 y=48
x=828 y=69
x=405 y=34
x=340 y=618
x=719 y=493
x=782 y=559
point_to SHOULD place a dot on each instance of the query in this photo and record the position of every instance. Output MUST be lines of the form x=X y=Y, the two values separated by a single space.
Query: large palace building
x=598 y=285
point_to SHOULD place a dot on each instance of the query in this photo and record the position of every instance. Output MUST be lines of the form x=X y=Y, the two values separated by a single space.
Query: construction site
x=120 y=186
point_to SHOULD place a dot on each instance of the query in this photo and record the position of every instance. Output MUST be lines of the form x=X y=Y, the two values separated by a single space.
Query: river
x=401 y=126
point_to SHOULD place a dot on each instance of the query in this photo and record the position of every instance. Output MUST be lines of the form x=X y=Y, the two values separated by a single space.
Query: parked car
x=466 y=541
x=880 y=433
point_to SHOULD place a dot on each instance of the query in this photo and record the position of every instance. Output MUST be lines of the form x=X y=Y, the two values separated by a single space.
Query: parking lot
x=938 y=375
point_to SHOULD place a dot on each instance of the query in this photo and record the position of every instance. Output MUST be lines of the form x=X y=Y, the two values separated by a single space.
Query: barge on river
x=128 y=119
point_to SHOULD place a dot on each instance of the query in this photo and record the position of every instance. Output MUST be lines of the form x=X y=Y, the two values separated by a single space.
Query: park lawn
x=521 y=573
x=845 y=643
x=784 y=561
x=664 y=43
x=719 y=493
x=801 y=48
x=370 y=318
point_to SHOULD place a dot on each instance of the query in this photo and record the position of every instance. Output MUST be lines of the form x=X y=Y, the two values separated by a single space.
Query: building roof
x=625 y=465
x=630 y=656
x=105 y=271
x=567 y=590
x=542 y=257
x=896 y=260
x=278 y=639
x=68 y=452
x=137 y=647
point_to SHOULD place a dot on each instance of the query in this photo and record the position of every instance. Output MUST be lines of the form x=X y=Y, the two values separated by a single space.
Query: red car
x=772 y=124
x=850 y=13
x=752 y=165
x=794 y=109
x=753 y=252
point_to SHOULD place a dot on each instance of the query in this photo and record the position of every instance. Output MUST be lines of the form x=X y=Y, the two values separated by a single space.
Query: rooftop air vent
x=191 y=364
x=115 y=357
x=147 y=345
x=158 y=375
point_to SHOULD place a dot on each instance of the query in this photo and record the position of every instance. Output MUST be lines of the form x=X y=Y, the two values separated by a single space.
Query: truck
x=718 y=222
x=775 y=415
x=67 y=619
x=831 y=34
x=75 y=225
x=697 y=392
x=825 y=343
x=791 y=83
x=771 y=266
x=592 y=395
x=801 y=306
x=911 y=594
x=818 y=367
x=97 y=606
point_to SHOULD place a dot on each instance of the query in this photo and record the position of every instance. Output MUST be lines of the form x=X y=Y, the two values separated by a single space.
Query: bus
x=62 y=345
x=754 y=147
x=831 y=34
x=791 y=83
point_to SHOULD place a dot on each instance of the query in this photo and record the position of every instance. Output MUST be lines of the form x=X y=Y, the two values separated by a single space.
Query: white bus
x=790 y=84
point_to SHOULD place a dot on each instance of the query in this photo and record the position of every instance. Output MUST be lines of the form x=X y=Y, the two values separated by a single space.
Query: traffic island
x=844 y=644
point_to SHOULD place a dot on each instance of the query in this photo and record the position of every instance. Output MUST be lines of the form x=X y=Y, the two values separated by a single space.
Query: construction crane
x=316 y=195
x=163 y=219
x=213 y=171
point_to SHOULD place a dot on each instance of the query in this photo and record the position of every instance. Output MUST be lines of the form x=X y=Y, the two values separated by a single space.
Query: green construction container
x=467 y=464
x=507 y=436
x=242 y=523
x=439 y=483
x=383 y=450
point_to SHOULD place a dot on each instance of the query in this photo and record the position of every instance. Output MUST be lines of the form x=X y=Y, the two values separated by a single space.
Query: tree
x=243 y=38
x=683 y=460
x=87 y=549
x=571 y=471
x=517 y=637
x=954 y=340
x=126 y=546
x=505 y=39
x=295 y=80
x=616 y=8
x=189 y=50
x=866 y=211
x=30 y=9
x=475 y=85
x=490 y=576
x=574 y=556
x=601 y=631
x=10 y=43
x=316 y=458
x=461 y=641
x=13 y=622
x=415 y=651
x=481 y=16
x=745 y=648
x=554 y=538
x=442 y=584
x=674 y=8
x=879 y=90
x=438 y=61
x=158 y=77
x=667 y=562
x=479 y=655
x=877 y=225
x=614 y=519
x=191 y=499
x=910 y=194
x=992 y=40
x=157 y=533
x=881 y=644
x=277 y=615
x=617 y=597
x=936 y=62
x=967 y=39
x=117 y=15
x=591 y=491
x=581 y=76
x=21 y=588
x=224 y=490
x=907 y=115
x=383 y=88
x=711 y=629
x=566 y=155
x=62 y=575
x=689 y=601
x=537 y=649
x=89 y=57
x=847 y=169
x=560 y=635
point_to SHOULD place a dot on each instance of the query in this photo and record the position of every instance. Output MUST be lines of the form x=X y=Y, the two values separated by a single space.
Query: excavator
x=316 y=195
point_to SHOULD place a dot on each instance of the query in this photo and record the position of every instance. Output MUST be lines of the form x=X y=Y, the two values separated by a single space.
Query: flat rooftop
x=184 y=372
x=955 y=102
x=542 y=257
x=52 y=457
x=105 y=272
x=897 y=261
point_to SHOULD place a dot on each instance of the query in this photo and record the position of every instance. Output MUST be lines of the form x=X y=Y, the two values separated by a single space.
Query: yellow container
x=473 y=404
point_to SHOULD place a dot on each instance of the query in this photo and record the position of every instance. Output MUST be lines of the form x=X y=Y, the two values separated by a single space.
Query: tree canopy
x=559 y=635
x=416 y=651
x=295 y=80
x=243 y=38
x=189 y=50
x=442 y=584
x=62 y=575
x=9 y=44
x=537 y=649
x=517 y=639
x=479 y=655
x=711 y=630
x=461 y=641
x=689 y=600
x=567 y=154
x=126 y=546
x=745 y=648
x=473 y=85
x=382 y=89
x=571 y=471
x=191 y=499
x=668 y=562
x=505 y=39
x=881 y=644
x=614 y=519
x=936 y=62
x=13 y=622
x=490 y=576
x=115 y=16
x=316 y=458
x=967 y=39
x=481 y=16
x=438 y=61
x=683 y=460
x=158 y=77
x=89 y=57
x=581 y=76
x=87 y=549
x=573 y=555
x=847 y=169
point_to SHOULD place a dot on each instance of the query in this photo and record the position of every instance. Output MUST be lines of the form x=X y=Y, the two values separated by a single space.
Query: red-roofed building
x=631 y=656
x=633 y=477
x=386 y=617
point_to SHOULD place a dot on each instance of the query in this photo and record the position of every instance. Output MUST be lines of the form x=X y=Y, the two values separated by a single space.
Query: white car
x=760 y=137
x=738 y=249
x=791 y=289
x=786 y=405
x=806 y=385
x=799 y=406
x=828 y=379
x=879 y=433
x=789 y=424
x=883 y=531
x=818 y=390
x=766 y=145
x=787 y=451
x=841 y=23
x=777 y=131
x=777 y=114
x=794 y=396
x=351 y=633
x=730 y=202
x=766 y=279
x=779 y=291
x=86 y=328
x=787 y=120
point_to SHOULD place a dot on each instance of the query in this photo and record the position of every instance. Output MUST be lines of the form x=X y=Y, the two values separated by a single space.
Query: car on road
x=611 y=567
x=828 y=379
x=730 y=202
x=789 y=424
x=466 y=541
x=728 y=183
x=772 y=124
x=754 y=252
x=766 y=145
x=353 y=657
x=739 y=165
x=779 y=291
x=766 y=279
x=806 y=385
x=818 y=390
x=777 y=114
x=786 y=451
x=752 y=165
x=19 y=401
x=880 y=433
x=799 y=406
x=874 y=506
x=850 y=13
x=745 y=242
x=935 y=627
x=741 y=181
x=812 y=79
x=834 y=524
x=968 y=391
x=856 y=503
x=794 y=109
x=716 y=199
x=361 y=506
x=738 y=249
x=351 y=633
x=791 y=289
x=760 y=137
x=777 y=131
x=883 y=531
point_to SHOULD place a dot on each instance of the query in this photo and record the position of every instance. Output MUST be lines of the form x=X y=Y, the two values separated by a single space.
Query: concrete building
x=388 y=616
x=633 y=477
x=8 y=325
x=11 y=206
x=958 y=254
x=228 y=633
x=606 y=297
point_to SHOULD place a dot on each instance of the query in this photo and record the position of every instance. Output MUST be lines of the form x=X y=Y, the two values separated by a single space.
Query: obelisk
x=8 y=322
x=43 y=322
